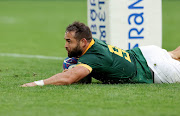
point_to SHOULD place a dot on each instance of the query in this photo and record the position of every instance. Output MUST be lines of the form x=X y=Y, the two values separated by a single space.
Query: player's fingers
x=24 y=85
x=28 y=85
x=65 y=70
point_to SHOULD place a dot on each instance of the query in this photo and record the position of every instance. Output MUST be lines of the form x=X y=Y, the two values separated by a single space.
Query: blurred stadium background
x=37 y=27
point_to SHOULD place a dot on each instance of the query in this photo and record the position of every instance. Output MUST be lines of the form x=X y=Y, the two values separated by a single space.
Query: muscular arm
x=71 y=76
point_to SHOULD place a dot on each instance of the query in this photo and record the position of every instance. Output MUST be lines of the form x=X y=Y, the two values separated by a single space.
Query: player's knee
x=178 y=50
x=178 y=47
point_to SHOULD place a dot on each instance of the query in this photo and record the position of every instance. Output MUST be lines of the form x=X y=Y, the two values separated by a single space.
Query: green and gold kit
x=110 y=64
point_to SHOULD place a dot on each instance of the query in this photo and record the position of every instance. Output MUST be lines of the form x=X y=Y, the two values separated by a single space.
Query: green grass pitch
x=37 y=28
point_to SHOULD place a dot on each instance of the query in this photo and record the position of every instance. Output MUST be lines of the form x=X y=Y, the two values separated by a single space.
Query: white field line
x=31 y=56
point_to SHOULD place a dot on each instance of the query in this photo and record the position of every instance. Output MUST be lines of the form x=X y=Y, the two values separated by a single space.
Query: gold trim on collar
x=90 y=44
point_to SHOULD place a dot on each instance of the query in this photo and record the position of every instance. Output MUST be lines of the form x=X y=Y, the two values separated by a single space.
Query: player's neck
x=87 y=46
x=85 y=49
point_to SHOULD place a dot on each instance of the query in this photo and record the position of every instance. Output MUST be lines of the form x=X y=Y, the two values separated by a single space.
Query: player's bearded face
x=75 y=52
x=72 y=45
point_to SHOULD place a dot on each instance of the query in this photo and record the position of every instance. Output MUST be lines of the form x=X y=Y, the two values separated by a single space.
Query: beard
x=76 y=52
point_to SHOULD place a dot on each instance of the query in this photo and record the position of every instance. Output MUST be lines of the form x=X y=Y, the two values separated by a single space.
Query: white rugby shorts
x=165 y=68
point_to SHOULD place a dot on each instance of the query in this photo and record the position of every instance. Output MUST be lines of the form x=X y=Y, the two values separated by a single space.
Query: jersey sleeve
x=90 y=62
x=86 y=66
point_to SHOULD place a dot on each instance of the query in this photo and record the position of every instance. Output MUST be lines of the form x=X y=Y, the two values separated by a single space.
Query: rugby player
x=109 y=64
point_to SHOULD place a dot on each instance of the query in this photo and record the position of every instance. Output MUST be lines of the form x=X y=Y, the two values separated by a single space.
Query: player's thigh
x=166 y=69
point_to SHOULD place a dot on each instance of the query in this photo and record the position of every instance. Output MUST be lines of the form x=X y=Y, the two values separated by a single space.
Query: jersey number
x=119 y=52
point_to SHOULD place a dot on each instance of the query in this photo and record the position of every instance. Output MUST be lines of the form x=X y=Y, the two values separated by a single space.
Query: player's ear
x=83 y=42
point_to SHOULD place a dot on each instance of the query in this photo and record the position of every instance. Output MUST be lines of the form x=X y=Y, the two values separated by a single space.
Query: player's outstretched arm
x=65 y=78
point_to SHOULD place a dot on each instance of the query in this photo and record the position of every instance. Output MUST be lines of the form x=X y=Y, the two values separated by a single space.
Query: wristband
x=39 y=83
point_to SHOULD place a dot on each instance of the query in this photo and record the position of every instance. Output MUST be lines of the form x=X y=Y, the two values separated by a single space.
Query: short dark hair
x=81 y=31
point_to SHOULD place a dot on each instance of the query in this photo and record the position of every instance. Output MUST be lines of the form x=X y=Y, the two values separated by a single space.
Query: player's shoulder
x=99 y=42
x=98 y=47
x=135 y=50
x=89 y=57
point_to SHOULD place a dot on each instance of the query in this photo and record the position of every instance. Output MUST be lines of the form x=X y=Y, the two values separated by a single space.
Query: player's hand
x=32 y=84
x=65 y=70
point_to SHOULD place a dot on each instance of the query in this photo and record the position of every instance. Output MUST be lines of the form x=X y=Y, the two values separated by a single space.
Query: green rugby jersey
x=110 y=64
